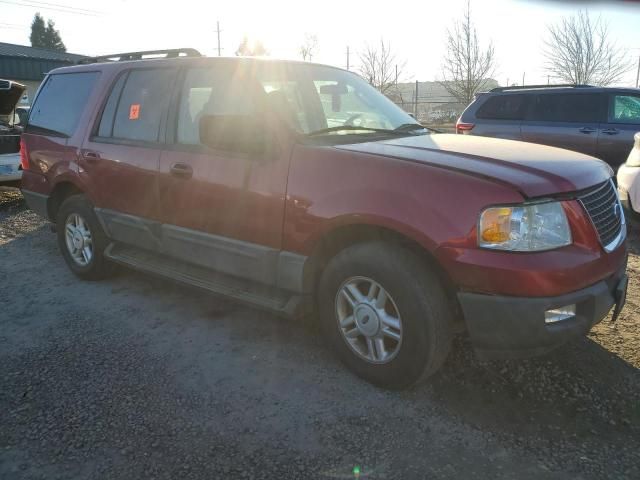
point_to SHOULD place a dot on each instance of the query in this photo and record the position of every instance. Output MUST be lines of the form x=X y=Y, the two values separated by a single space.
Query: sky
x=416 y=30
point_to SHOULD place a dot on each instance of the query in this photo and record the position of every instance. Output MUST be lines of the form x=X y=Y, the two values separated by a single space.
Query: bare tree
x=380 y=66
x=578 y=51
x=308 y=47
x=466 y=65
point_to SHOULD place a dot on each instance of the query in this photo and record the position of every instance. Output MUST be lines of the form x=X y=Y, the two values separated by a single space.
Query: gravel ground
x=136 y=378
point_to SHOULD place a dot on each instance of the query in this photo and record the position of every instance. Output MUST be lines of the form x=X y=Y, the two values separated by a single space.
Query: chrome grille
x=602 y=204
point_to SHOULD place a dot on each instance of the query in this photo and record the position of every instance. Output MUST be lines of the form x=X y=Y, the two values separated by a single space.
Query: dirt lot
x=137 y=378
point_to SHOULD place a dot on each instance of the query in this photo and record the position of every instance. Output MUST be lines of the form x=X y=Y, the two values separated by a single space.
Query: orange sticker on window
x=134 y=111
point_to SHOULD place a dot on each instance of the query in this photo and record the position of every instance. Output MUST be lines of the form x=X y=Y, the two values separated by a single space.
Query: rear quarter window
x=61 y=101
x=502 y=107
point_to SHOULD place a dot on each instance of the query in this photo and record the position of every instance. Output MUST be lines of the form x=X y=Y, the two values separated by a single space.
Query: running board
x=257 y=295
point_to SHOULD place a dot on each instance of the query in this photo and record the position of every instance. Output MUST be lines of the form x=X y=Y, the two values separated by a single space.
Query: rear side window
x=136 y=105
x=61 y=101
x=567 y=108
x=626 y=109
x=502 y=107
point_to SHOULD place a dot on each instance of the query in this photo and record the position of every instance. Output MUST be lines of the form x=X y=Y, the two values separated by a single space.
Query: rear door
x=120 y=160
x=500 y=116
x=568 y=120
x=616 y=135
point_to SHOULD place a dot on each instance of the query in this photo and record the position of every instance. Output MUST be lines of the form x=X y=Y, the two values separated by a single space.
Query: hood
x=534 y=170
x=10 y=94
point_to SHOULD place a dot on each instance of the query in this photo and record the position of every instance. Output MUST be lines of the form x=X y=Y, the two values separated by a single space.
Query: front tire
x=81 y=239
x=385 y=314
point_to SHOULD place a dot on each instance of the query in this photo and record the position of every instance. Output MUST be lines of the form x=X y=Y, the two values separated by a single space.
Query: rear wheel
x=385 y=314
x=81 y=239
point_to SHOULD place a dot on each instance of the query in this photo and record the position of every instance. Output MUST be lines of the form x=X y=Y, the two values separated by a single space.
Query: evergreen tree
x=45 y=36
x=38 y=31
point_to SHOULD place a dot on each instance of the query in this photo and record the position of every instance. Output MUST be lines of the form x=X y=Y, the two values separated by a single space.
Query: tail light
x=462 y=127
x=24 y=155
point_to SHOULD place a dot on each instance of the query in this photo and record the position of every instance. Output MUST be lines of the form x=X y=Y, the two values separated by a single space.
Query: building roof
x=13 y=50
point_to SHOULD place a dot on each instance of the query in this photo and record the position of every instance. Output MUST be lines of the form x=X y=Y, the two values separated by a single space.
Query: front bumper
x=513 y=327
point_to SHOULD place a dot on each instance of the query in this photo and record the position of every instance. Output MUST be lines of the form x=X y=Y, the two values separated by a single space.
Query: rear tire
x=81 y=239
x=385 y=314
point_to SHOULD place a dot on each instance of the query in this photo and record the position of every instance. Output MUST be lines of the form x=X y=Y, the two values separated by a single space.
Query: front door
x=222 y=209
x=616 y=136
x=565 y=120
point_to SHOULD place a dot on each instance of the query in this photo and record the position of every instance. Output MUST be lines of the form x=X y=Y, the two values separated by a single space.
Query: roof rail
x=122 y=57
x=527 y=87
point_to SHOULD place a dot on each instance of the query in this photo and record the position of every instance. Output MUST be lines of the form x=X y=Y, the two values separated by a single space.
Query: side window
x=136 y=104
x=284 y=96
x=574 y=108
x=502 y=107
x=61 y=101
x=209 y=91
x=626 y=109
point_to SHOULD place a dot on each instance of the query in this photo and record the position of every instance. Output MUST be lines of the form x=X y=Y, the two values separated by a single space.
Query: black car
x=598 y=121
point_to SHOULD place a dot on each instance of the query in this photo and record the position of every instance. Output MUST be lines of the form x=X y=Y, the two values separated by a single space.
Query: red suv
x=300 y=189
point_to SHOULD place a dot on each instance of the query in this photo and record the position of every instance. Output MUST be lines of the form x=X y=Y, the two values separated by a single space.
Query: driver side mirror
x=238 y=133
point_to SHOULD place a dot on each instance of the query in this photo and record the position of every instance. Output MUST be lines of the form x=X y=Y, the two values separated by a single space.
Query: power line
x=54 y=7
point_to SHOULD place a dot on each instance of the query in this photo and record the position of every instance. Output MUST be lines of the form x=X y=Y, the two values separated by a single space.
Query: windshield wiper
x=409 y=127
x=348 y=128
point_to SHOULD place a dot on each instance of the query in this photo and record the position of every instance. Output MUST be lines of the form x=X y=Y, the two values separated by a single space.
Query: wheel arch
x=343 y=236
x=61 y=191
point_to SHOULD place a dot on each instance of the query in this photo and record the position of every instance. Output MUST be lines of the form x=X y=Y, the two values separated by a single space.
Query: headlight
x=524 y=228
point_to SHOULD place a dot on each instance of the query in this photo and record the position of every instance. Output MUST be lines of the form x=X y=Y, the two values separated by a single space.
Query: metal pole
x=396 y=75
x=218 y=30
x=347 y=57
x=638 y=74
x=523 y=78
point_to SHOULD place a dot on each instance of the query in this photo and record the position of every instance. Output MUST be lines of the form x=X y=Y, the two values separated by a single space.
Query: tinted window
x=209 y=91
x=143 y=101
x=61 y=101
x=503 y=107
x=108 y=114
x=626 y=109
x=567 y=108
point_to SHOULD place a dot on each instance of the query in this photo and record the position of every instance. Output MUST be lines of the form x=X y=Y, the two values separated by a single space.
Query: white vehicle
x=629 y=179
x=10 y=170
x=10 y=130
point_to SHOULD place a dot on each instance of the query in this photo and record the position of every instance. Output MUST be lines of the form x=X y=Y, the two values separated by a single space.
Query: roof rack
x=527 y=87
x=122 y=57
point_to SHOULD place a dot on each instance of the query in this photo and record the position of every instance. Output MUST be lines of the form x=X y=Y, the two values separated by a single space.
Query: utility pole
x=415 y=103
x=523 y=78
x=218 y=32
x=347 y=57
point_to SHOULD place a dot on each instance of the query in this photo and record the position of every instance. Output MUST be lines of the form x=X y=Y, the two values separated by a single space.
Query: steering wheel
x=352 y=118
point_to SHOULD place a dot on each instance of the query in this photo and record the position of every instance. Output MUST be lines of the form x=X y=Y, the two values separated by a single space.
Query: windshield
x=314 y=98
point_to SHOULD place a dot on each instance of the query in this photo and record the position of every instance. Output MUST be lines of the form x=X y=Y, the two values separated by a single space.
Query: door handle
x=587 y=130
x=90 y=156
x=610 y=131
x=181 y=170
